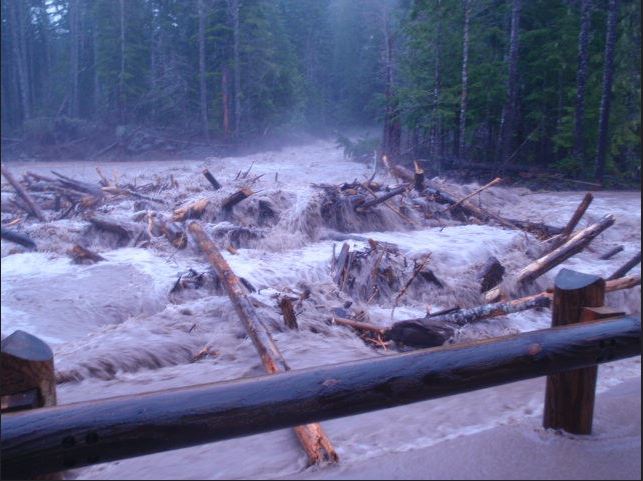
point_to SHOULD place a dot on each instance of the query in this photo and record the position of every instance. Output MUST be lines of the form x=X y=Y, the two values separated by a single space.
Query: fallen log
x=495 y=181
x=82 y=255
x=427 y=331
x=193 y=210
x=625 y=268
x=560 y=239
x=611 y=253
x=382 y=198
x=539 y=229
x=78 y=185
x=18 y=238
x=211 y=179
x=235 y=198
x=33 y=207
x=574 y=245
x=312 y=437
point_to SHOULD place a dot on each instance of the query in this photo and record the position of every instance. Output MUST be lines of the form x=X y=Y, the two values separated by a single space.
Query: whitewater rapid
x=115 y=330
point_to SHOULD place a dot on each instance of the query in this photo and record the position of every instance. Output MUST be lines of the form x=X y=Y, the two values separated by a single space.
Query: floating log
x=569 y=396
x=27 y=364
x=495 y=181
x=78 y=185
x=611 y=253
x=491 y=274
x=287 y=310
x=235 y=198
x=558 y=240
x=539 y=229
x=79 y=434
x=32 y=206
x=341 y=263
x=193 y=210
x=575 y=244
x=211 y=179
x=17 y=237
x=434 y=324
x=625 y=268
x=418 y=334
x=82 y=255
x=378 y=200
x=312 y=437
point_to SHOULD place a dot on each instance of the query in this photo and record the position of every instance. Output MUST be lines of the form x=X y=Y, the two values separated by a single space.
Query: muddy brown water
x=115 y=330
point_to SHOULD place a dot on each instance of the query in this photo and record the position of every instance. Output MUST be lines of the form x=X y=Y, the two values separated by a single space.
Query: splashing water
x=114 y=329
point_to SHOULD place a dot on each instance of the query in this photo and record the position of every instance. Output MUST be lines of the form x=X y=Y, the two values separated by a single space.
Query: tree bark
x=312 y=437
x=581 y=78
x=606 y=97
x=234 y=13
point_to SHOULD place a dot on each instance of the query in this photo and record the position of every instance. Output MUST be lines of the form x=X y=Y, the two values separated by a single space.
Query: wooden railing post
x=569 y=396
x=27 y=375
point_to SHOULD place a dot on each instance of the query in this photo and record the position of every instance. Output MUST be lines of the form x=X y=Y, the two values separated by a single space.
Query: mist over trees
x=547 y=83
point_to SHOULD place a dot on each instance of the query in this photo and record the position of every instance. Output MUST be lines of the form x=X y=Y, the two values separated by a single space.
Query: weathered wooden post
x=27 y=375
x=569 y=396
x=27 y=378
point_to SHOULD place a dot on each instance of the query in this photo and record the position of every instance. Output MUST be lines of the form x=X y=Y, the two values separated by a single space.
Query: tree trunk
x=465 y=61
x=606 y=97
x=20 y=57
x=311 y=436
x=225 y=99
x=437 y=124
x=581 y=78
x=203 y=96
x=234 y=12
x=509 y=112
x=74 y=43
x=121 y=75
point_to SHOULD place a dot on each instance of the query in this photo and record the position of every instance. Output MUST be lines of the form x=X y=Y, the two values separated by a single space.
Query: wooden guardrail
x=52 y=439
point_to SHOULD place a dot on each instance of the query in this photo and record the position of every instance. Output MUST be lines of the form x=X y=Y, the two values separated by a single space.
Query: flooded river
x=115 y=330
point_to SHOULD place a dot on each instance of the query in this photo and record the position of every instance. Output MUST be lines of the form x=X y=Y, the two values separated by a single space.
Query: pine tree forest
x=547 y=84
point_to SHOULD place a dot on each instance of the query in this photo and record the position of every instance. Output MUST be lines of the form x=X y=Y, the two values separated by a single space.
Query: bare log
x=193 y=210
x=495 y=181
x=611 y=253
x=622 y=283
x=625 y=268
x=311 y=436
x=112 y=226
x=82 y=255
x=33 y=207
x=78 y=185
x=574 y=245
x=235 y=198
x=211 y=179
x=384 y=197
x=558 y=240
x=17 y=237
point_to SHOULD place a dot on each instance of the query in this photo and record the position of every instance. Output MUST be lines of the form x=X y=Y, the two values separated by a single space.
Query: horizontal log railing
x=52 y=439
